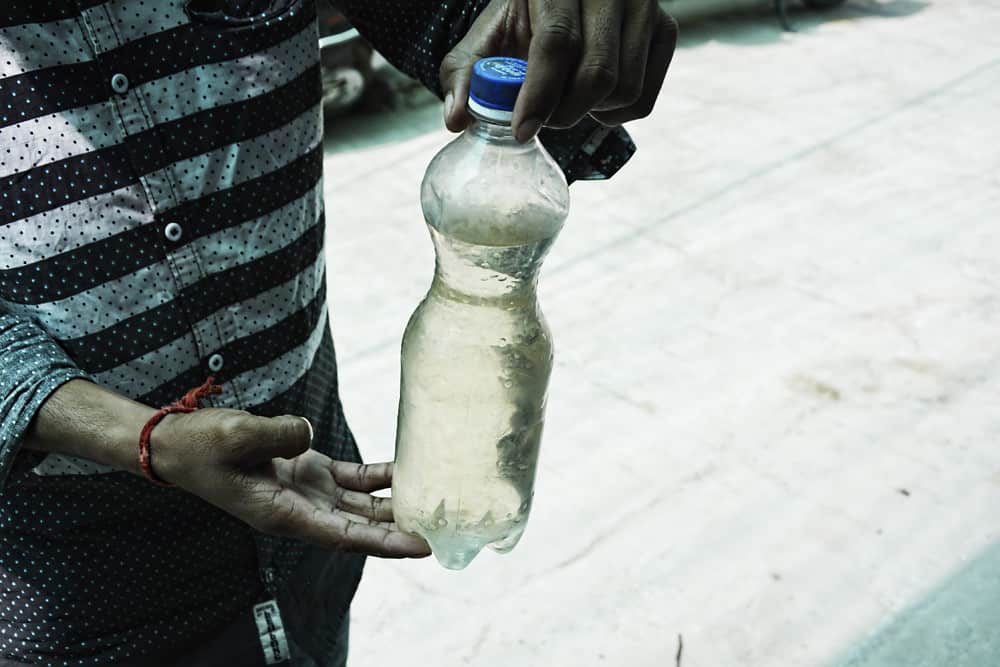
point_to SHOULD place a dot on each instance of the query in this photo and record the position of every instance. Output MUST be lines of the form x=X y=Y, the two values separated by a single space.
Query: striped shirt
x=161 y=220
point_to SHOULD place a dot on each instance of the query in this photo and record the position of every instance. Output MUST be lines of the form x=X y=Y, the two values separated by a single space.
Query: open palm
x=316 y=499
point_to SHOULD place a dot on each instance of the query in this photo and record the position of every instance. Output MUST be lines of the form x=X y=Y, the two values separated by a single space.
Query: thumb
x=485 y=38
x=268 y=438
x=456 y=77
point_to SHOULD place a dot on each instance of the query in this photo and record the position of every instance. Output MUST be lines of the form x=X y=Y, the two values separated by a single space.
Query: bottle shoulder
x=518 y=190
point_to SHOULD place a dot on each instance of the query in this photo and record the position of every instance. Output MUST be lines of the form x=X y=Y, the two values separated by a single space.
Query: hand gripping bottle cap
x=495 y=85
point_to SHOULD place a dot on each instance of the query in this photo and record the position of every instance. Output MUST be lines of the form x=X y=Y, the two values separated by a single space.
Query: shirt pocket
x=239 y=14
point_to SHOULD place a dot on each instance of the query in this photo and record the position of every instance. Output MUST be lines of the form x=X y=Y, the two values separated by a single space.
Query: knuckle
x=559 y=34
x=231 y=428
x=599 y=78
x=233 y=437
x=362 y=474
x=348 y=540
x=452 y=62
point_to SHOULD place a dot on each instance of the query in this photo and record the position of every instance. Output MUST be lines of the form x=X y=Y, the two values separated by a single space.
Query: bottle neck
x=494 y=132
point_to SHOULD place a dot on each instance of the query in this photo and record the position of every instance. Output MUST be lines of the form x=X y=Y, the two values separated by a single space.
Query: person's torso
x=161 y=217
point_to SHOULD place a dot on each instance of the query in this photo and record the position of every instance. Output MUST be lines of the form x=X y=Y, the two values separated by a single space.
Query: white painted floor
x=773 y=426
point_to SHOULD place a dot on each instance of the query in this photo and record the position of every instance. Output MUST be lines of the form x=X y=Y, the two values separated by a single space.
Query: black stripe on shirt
x=323 y=366
x=314 y=394
x=77 y=271
x=53 y=89
x=173 y=389
x=249 y=200
x=245 y=354
x=63 y=182
x=45 y=91
x=263 y=347
x=117 y=256
x=72 y=179
x=19 y=12
x=193 y=44
x=228 y=124
x=148 y=331
x=246 y=281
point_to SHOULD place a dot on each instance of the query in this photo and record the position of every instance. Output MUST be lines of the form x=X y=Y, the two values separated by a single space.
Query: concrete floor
x=773 y=426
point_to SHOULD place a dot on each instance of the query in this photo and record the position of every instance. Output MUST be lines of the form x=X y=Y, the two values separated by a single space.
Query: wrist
x=83 y=419
x=165 y=458
x=123 y=437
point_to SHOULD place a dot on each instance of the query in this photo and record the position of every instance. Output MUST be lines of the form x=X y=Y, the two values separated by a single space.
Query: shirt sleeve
x=415 y=36
x=32 y=366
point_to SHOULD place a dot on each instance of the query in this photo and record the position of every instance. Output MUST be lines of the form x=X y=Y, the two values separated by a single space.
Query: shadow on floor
x=398 y=109
x=955 y=625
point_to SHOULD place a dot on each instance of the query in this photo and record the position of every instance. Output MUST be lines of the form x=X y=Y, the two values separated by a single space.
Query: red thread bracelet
x=187 y=403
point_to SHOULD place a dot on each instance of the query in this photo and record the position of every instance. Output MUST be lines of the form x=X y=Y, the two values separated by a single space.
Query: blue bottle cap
x=497 y=81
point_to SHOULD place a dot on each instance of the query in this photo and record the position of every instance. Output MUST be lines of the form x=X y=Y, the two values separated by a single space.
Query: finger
x=294 y=517
x=250 y=439
x=366 y=505
x=337 y=530
x=382 y=542
x=637 y=34
x=596 y=77
x=361 y=477
x=456 y=68
x=495 y=32
x=553 y=55
x=661 y=51
x=355 y=534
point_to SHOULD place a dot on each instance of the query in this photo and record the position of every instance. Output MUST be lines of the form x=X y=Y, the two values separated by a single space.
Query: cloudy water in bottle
x=477 y=352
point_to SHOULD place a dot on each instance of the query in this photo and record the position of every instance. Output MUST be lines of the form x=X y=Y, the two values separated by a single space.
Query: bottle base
x=455 y=551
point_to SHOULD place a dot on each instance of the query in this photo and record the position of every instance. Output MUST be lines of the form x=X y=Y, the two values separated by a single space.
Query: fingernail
x=449 y=105
x=311 y=431
x=528 y=129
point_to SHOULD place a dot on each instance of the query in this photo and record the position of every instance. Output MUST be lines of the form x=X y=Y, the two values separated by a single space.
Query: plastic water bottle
x=477 y=353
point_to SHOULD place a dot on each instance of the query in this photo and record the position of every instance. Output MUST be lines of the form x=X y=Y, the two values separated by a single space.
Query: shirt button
x=215 y=363
x=119 y=83
x=173 y=232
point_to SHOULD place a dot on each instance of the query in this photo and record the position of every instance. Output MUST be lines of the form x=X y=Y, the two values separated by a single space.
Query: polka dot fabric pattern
x=162 y=220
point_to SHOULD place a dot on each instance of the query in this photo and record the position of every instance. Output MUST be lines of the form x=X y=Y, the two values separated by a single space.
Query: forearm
x=83 y=419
